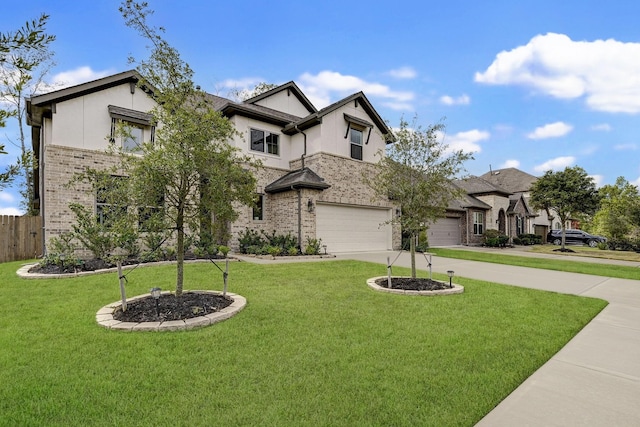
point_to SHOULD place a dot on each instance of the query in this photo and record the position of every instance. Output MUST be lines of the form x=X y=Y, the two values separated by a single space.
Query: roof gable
x=358 y=98
x=477 y=186
x=291 y=88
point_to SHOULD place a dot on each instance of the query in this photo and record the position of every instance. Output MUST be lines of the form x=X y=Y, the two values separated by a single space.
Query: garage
x=353 y=228
x=444 y=232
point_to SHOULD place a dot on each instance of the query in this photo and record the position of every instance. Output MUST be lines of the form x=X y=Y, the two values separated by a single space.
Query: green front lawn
x=314 y=347
x=494 y=256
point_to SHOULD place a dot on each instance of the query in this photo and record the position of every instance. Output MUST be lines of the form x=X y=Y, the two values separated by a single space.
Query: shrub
x=61 y=253
x=224 y=250
x=529 y=239
x=250 y=239
x=274 y=251
x=494 y=238
x=293 y=251
x=313 y=246
x=603 y=246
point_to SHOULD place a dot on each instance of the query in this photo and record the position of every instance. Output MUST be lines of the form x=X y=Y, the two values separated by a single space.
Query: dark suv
x=574 y=237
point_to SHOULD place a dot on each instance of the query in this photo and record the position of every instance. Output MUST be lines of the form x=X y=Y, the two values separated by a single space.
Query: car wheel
x=557 y=242
x=592 y=243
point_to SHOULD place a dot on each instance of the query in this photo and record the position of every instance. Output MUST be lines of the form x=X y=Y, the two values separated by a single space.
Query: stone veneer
x=280 y=210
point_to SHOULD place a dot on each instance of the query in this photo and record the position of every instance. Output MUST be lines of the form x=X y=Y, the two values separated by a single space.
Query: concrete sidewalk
x=595 y=379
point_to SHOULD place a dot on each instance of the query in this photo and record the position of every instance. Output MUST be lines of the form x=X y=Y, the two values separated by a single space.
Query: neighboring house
x=497 y=200
x=310 y=186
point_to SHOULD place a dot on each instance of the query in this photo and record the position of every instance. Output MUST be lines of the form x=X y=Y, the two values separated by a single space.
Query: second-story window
x=265 y=142
x=356 y=143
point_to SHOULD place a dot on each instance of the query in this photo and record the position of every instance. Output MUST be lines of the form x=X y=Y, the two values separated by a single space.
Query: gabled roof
x=316 y=118
x=478 y=186
x=511 y=179
x=301 y=178
x=292 y=88
x=131 y=76
x=513 y=202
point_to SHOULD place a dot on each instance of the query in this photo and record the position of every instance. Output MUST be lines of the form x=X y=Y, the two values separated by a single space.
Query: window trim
x=259 y=208
x=353 y=144
x=266 y=143
x=478 y=223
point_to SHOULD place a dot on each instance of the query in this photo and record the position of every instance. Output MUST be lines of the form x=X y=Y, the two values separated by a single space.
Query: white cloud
x=636 y=182
x=597 y=179
x=605 y=72
x=321 y=88
x=603 y=127
x=403 y=73
x=6 y=197
x=512 y=163
x=461 y=100
x=13 y=211
x=466 y=141
x=551 y=130
x=556 y=164
x=75 y=77
x=625 y=147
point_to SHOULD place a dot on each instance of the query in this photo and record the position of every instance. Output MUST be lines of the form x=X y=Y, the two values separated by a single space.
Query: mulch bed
x=410 y=284
x=100 y=264
x=186 y=306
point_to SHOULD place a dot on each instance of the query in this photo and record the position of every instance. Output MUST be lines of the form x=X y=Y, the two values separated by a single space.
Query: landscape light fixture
x=450 y=274
x=155 y=293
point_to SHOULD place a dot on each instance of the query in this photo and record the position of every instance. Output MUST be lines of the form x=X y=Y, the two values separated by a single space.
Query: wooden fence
x=20 y=237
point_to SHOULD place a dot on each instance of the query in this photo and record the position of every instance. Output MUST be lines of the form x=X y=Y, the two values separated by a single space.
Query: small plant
x=224 y=250
x=293 y=251
x=274 y=251
x=313 y=246
x=61 y=253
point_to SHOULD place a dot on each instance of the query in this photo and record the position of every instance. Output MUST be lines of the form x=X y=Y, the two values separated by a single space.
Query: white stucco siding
x=329 y=137
x=286 y=102
x=243 y=142
x=84 y=121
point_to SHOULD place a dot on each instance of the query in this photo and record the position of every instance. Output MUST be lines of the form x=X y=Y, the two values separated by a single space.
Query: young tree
x=570 y=193
x=25 y=59
x=190 y=166
x=417 y=173
x=243 y=94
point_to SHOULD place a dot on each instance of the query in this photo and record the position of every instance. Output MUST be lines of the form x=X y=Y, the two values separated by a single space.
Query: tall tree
x=417 y=172
x=190 y=166
x=616 y=216
x=570 y=192
x=25 y=59
x=244 y=94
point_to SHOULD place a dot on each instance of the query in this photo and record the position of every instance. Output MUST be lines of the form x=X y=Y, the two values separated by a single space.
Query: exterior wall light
x=310 y=206
x=450 y=274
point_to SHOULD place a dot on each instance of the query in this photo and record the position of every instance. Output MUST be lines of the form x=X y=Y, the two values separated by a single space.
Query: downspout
x=42 y=191
x=467 y=227
x=299 y=217
x=304 y=154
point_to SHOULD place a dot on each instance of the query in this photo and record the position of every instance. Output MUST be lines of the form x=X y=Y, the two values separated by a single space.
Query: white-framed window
x=265 y=142
x=258 y=209
x=355 y=140
x=478 y=223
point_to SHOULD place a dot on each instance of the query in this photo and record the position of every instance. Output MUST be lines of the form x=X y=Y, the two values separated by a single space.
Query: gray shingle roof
x=475 y=185
x=301 y=178
x=511 y=179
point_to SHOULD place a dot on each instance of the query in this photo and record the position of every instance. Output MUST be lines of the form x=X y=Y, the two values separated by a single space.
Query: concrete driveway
x=595 y=379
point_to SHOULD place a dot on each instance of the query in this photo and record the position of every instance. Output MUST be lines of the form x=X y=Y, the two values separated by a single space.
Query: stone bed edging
x=104 y=316
x=457 y=289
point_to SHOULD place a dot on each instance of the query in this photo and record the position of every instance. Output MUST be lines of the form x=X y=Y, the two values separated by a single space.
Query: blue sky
x=536 y=85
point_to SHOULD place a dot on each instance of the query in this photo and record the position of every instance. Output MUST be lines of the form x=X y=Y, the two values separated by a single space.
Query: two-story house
x=311 y=185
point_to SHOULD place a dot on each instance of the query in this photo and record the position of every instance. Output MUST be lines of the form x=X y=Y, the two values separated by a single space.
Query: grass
x=596 y=269
x=585 y=251
x=314 y=347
